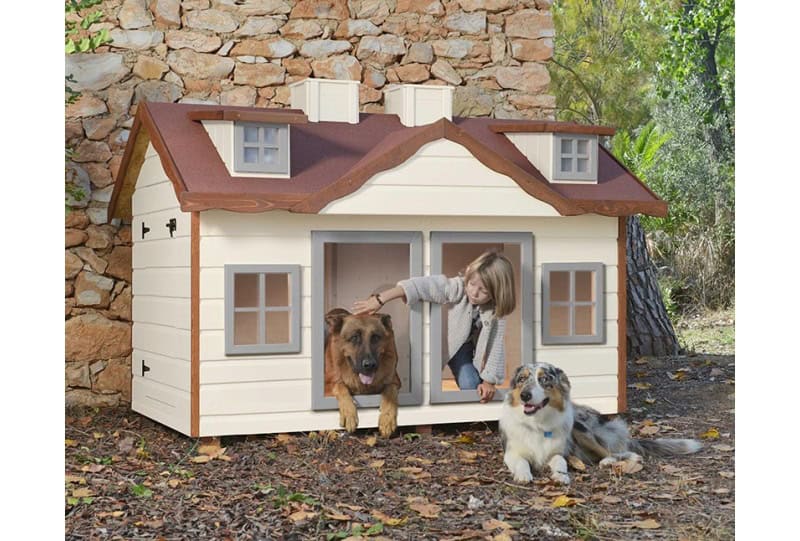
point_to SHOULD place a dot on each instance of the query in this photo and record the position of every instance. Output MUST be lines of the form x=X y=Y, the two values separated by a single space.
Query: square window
x=261 y=148
x=262 y=309
x=574 y=157
x=578 y=318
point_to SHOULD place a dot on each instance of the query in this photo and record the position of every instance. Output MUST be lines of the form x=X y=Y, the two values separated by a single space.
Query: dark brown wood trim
x=131 y=163
x=292 y=116
x=622 y=314
x=651 y=192
x=397 y=154
x=195 y=325
x=622 y=208
x=551 y=127
x=238 y=202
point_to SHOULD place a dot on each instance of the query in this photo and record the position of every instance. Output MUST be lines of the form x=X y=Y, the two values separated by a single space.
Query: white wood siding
x=161 y=300
x=423 y=185
x=260 y=394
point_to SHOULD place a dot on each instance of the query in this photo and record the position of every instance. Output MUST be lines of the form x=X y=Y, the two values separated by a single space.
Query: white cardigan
x=489 y=358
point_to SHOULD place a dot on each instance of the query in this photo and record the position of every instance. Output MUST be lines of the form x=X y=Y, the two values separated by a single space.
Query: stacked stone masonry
x=247 y=52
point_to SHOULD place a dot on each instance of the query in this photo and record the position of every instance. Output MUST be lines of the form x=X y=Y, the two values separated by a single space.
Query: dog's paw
x=559 y=477
x=608 y=461
x=523 y=477
x=387 y=424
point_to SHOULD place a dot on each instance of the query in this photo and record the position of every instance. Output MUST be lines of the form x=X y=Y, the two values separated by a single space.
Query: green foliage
x=639 y=154
x=411 y=436
x=281 y=496
x=77 y=38
x=604 y=56
x=141 y=491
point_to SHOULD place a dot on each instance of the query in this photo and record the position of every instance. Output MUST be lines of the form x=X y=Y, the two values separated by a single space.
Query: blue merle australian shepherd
x=541 y=426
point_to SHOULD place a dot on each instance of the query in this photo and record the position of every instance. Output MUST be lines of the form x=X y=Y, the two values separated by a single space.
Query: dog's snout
x=525 y=395
x=369 y=363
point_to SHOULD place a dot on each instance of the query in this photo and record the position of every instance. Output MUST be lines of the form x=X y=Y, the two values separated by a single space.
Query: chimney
x=417 y=105
x=326 y=100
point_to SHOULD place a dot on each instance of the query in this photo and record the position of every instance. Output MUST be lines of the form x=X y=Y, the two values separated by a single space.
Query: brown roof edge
x=657 y=209
x=394 y=155
x=238 y=202
x=143 y=131
x=651 y=192
x=290 y=116
x=550 y=127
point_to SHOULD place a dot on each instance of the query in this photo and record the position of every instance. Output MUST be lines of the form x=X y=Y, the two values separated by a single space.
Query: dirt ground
x=127 y=477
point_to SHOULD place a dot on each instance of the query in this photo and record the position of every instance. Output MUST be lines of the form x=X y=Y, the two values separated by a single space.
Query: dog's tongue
x=530 y=409
x=365 y=379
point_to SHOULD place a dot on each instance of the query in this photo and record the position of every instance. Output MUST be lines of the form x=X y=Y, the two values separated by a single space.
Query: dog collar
x=548 y=434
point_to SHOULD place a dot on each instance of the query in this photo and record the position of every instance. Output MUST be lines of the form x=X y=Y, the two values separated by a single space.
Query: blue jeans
x=465 y=372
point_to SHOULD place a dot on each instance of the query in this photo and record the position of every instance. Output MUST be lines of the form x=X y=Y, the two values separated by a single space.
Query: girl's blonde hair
x=497 y=274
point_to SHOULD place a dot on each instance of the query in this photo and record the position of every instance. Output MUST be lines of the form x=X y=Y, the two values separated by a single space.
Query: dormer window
x=574 y=157
x=261 y=148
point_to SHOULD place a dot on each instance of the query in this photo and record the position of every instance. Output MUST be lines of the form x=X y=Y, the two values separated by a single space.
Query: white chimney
x=326 y=100
x=417 y=105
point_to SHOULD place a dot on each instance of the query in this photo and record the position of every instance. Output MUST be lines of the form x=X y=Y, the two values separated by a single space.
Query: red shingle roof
x=332 y=159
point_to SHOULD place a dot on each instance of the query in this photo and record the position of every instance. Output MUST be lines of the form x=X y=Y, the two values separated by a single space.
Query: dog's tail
x=665 y=447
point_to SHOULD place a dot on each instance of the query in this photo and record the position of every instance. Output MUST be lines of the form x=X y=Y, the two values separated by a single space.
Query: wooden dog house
x=249 y=224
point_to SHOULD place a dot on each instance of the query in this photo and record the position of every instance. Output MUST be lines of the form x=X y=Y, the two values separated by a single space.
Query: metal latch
x=172 y=225
x=145 y=368
x=145 y=230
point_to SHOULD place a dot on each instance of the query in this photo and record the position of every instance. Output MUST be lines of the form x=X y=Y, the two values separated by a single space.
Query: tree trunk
x=649 y=329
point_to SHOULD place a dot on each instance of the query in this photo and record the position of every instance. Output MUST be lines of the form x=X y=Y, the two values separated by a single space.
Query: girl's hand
x=486 y=391
x=368 y=306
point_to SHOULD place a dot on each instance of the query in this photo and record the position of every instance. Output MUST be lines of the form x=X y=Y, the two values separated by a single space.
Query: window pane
x=583 y=165
x=277 y=293
x=245 y=290
x=250 y=134
x=250 y=154
x=584 y=320
x=559 y=286
x=566 y=146
x=270 y=155
x=559 y=320
x=583 y=146
x=245 y=325
x=271 y=136
x=277 y=327
x=566 y=165
x=584 y=286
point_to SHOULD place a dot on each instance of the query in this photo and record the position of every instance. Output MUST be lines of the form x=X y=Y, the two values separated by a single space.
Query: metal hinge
x=172 y=225
x=145 y=368
x=145 y=230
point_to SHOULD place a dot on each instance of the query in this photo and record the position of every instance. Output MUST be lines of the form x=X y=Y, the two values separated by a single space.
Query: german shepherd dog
x=361 y=358
x=539 y=425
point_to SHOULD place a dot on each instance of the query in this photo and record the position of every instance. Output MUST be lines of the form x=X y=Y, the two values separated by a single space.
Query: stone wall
x=246 y=52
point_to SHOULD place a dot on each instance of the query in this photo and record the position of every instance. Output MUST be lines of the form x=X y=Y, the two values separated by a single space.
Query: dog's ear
x=386 y=319
x=334 y=320
x=563 y=381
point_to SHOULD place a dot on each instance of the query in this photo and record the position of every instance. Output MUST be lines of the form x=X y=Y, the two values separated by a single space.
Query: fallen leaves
x=642 y=386
x=424 y=507
x=710 y=434
x=565 y=501
x=648 y=524
x=388 y=520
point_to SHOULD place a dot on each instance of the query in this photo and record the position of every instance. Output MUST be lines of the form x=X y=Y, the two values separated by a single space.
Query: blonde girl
x=479 y=300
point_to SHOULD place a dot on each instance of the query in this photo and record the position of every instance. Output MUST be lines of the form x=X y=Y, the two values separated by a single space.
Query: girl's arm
x=372 y=304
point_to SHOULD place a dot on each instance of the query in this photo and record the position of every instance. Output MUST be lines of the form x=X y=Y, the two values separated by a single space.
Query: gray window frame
x=591 y=173
x=599 y=270
x=406 y=397
x=294 y=309
x=282 y=145
x=524 y=303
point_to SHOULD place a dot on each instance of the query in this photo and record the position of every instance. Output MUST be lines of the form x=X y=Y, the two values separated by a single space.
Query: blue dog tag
x=548 y=434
